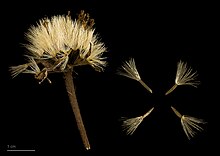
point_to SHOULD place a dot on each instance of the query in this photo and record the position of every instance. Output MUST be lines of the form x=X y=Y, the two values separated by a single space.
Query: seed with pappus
x=184 y=76
x=191 y=125
x=128 y=69
x=130 y=124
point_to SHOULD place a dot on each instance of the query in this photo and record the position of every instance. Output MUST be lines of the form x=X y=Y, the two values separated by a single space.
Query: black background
x=157 y=35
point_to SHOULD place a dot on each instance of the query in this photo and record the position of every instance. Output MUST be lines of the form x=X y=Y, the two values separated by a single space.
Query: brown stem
x=73 y=101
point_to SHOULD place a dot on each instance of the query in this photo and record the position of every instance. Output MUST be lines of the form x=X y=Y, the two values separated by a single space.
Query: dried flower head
x=131 y=124
x=59 y=43
x=184 y=76
x=190 y=124
x=128 y=69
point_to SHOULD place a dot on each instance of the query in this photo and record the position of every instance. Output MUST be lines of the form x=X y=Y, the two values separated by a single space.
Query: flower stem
x=171 y=89
x=145 y=86
x=176 y=112
x=73 y=101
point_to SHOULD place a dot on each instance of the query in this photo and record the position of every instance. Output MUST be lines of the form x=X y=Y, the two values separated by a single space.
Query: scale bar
x=16 y=150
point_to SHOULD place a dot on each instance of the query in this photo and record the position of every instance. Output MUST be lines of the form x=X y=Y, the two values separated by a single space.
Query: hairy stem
x=73 y=101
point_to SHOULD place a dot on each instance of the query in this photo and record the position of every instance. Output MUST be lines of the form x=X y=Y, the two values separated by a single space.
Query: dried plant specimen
x=184 y=76
x=58 y=45
x=128 y=69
